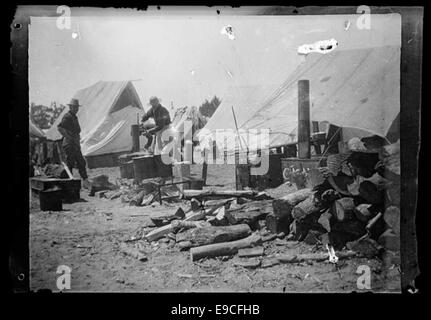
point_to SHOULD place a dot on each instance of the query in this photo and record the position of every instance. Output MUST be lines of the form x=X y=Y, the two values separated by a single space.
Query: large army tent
x=357 y=89
x=109 y=108
x=192 y=114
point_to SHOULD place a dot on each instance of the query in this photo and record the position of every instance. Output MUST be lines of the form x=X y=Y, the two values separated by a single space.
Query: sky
x=184 y=59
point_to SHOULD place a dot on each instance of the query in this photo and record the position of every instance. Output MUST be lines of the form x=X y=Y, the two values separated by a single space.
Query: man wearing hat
x=70 y=130
x=162 y=120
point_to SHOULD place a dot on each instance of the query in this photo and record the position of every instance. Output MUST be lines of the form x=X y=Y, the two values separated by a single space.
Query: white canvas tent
x=109 y=108
x=356 y=89
x=34 y=131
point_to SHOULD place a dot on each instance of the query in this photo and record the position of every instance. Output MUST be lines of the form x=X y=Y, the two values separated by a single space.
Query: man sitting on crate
x=70 y=130
x=162 y=120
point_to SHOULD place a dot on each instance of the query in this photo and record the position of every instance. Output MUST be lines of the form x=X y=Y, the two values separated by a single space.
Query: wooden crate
x=70 y=187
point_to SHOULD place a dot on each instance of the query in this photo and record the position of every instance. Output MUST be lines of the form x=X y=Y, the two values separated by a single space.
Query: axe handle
x=67 y=170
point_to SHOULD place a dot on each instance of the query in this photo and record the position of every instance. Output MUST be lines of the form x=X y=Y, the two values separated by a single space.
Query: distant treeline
x=44 y=116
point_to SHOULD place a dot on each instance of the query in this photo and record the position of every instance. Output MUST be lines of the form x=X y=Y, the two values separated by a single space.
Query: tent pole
x=304 y=119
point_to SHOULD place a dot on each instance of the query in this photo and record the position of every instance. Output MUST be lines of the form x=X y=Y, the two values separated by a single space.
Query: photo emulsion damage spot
x=171 y=151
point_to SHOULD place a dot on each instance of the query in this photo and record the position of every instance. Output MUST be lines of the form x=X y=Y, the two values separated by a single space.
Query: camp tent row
x=354 y=89
x=109 y=108
x=357 y=90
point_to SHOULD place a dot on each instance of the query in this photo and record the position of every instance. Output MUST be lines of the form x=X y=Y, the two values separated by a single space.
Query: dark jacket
x=161 y=118
x=70 y=124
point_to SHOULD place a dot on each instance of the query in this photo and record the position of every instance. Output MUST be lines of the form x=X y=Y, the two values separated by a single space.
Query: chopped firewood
x=161 y=219
x=251 y=212
x=224 y=248
x=325 y=220
x=343 y=209
x=277 y=224
x=305 y=208
x=208 y=235
x=392 y=218
x=174 y=226
x=222 y=218
x=200 y=214
x=363 y=212
x=284 y=205
x=390 y=240
x=269 y=237
x=250 y=252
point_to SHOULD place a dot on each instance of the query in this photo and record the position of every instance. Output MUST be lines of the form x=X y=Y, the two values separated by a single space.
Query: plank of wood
x=224 y=248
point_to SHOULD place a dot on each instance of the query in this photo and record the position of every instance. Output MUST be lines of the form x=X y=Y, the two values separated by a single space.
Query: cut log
x=200 y=214
x=201 y=194
x=343 y=209
x=224 y=248
x=251 y=212
x=277 y=224
x=250 y=252
x=222 y=218
x=390 y=240
x=209 y=235
x=269 y=238
x=218 y=203
x=305 y=208
x=284 y=205
x=392 y=218
x=161 y=219
x=174 y=226
x=363 y=212
x=325 y=220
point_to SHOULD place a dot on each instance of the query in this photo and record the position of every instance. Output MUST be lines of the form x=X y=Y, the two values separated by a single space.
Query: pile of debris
x=357 y=208
x=139 y=194
x=357 y=214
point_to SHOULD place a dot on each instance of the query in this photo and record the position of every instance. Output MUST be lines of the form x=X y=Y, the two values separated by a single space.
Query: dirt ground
x=86 y=237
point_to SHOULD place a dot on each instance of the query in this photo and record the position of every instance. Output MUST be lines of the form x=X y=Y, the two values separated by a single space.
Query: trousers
x=74 y=157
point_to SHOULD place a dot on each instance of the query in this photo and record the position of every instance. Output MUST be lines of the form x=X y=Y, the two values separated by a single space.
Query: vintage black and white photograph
x=217 y=149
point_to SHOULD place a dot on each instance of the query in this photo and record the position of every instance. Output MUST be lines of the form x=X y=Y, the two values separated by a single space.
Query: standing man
x=163 y=122
x=70 y=130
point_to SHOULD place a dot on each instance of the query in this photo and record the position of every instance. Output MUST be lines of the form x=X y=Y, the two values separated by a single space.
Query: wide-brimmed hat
x=153 y=99
x=74 y=103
